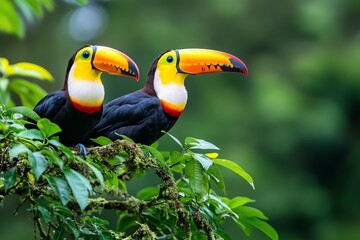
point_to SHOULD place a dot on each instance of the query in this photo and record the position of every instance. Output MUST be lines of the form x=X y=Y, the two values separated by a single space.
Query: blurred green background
x=293 y=123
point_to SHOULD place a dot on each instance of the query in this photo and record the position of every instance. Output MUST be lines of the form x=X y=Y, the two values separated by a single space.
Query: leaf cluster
x=197 y=176
x=12 y=82
x=14 y=13
x=66 y=192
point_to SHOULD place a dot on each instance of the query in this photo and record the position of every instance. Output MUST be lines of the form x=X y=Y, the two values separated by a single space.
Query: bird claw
x=82 y=149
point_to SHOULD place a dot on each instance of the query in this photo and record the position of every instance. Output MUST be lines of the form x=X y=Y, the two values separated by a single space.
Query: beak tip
x=240 y=65
x=134 y=68
x=245 y=71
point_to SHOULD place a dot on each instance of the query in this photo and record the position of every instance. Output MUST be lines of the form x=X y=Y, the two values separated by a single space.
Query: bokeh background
x=293 y=123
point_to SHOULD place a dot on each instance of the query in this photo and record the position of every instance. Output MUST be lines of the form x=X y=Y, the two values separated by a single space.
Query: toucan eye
x=169 y=59
x=85 y=54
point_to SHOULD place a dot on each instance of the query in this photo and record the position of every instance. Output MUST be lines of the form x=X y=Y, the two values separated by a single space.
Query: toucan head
x=90 y=61
x=85 y=67
x=169 y=70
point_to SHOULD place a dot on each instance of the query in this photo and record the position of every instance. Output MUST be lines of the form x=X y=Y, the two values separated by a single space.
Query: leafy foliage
x=59 y=185
x=11 y=12
x=29 y=93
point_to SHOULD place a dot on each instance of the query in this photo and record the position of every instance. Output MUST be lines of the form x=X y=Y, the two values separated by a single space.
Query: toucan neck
x=172 y=94
x=86 y=93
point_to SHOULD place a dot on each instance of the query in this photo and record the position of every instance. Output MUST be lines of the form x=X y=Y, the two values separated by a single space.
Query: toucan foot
x=82 y=149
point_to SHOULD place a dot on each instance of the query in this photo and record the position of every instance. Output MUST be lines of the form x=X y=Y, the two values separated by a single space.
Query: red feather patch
x=172 y=109
x=86 y=109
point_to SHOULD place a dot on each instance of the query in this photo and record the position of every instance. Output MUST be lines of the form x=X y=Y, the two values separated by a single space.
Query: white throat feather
x=85 y=92
x=172 y=92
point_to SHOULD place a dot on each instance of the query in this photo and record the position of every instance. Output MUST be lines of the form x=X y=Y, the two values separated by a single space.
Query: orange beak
x=201 y=61
x=114 y=62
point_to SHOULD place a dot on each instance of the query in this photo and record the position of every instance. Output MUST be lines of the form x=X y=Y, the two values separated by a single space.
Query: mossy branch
x=135 y=160
x=66 y=192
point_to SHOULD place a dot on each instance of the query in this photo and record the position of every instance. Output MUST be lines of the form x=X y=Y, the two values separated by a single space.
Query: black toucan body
x=142 y=115
x=78 y=106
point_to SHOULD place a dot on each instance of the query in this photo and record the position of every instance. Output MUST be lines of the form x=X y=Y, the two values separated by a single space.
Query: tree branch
x=135 y=160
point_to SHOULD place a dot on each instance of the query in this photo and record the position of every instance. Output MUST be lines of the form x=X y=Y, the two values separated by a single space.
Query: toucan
x=145 y=114
x=78 y=106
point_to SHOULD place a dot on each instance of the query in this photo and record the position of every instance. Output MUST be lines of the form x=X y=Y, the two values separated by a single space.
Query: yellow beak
x=200 y=61
x=112 y=61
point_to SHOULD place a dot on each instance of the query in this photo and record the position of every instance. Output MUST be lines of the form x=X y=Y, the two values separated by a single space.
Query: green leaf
x=112 y=181
x=236 y=169
x=239 y=201
x=55 y=142
x=26 y=69
x=16 y=127
x=177 y=161
x=47 y=127
x=29 y=8
x=10 y=177
x=174 y=138
x=204 y=161
x=33 y=134
x=45 y=213
x=156 y=154
x=264 y=227
x=79 y=185
x=247 y=212
x=10 y=20
x=4 y=82
x=18 y=149
x=102 y=141
x=96 y=171
x=70 y=223
x=48 y=4
x=63 y=212
x=95 y=220
x=148 y=193
x=30 y=93
x=38 y=163
x=27 y=112
x=216 y=177
x=60 y=188
x=125 y=137
x=4 y=127
x=252 y=217
x=60 y=232
x=211 y=215
x=4 y=97
x=52 y=156
x=116 y=160
x=183 y=187
x=220 y=204
x=197 y=180
x=155 y=145
x=193 y=143
x=67 y=151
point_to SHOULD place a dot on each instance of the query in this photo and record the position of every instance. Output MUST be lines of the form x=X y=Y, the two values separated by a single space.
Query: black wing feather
x=50 y=105
x=137 y=115
x=75 y=124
